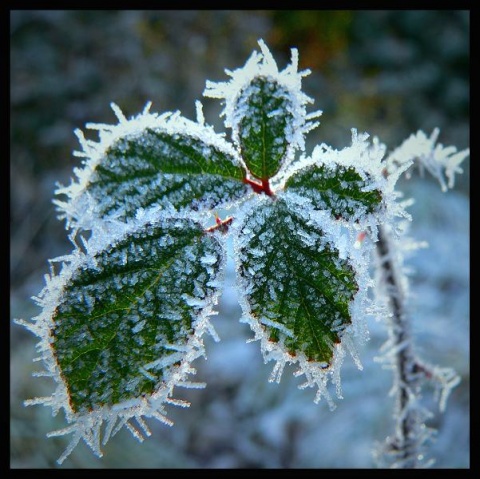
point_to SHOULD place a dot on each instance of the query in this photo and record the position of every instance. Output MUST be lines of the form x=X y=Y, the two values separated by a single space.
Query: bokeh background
x=388 y=73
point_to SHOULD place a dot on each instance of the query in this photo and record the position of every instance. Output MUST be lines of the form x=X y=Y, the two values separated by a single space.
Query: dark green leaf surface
x=158 y=168
x=337 y=188
x=116 y=318
x=295 y=278
x=265 y=109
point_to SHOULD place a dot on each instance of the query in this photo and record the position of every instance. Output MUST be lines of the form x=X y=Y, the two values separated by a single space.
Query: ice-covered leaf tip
x=124 y=315
x=298 y=285
x=266 y=110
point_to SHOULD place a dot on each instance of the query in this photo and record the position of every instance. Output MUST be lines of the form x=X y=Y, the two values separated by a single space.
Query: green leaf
x=162 y=168
x=339 y=189
x=265 y=109
x=296 y=285
x=125 y=317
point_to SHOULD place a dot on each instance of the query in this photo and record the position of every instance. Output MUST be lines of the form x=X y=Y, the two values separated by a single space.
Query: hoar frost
x=134 y=322
x=263 y=65
x=124 y=315
x=301 y=292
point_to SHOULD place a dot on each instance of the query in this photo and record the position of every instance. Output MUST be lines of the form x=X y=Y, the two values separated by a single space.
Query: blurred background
x=389 y=73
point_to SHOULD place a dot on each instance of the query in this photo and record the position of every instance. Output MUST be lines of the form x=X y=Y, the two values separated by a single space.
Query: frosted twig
x=405 y=448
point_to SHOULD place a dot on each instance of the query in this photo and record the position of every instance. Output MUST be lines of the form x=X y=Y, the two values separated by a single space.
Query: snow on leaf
x=118 y=334
x=162 y=161
x=266 y=110
x=298 y=296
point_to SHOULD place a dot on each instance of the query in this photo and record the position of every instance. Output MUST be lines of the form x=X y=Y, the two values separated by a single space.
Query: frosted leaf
x=300 y=295
x=117 y=337
x=345 y=192
x=266 y=110
x=264 y=117
x=438 y=160
x=166 y=161
x=350 y=182
x=364 y=155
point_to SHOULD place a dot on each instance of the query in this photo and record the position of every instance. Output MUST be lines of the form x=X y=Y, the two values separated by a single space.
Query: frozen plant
x=123 y=317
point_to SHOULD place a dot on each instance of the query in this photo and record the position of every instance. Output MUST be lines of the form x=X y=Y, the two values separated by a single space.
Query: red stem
x=263 y=187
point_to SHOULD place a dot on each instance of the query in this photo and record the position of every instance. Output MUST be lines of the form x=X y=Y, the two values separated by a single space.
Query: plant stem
x=407 y=441
x=263 y=187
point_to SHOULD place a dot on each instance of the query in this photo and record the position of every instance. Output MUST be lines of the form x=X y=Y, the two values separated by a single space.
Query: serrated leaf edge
x=78 y=209
x=317 y=376
x=263 y=64
x=88 y=426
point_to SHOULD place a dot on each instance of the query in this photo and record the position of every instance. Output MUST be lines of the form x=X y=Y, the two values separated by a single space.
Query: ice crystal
x=438 y=160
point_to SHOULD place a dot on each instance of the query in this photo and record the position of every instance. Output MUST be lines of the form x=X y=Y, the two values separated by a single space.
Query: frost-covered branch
x=438 y=160
x=406 y=448
x=406 y=444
